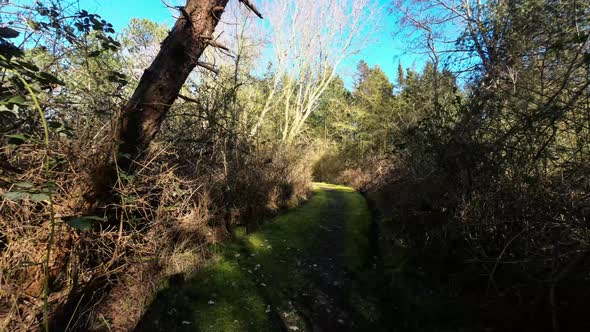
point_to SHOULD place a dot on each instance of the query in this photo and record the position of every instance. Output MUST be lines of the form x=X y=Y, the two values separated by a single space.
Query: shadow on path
x=307 y=270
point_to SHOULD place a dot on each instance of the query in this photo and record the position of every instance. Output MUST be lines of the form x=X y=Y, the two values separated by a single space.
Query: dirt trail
x=327 y=296
x=301 y=272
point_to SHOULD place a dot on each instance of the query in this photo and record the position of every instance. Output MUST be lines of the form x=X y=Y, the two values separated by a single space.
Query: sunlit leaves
x=16 y=139
x=39 y=197
x=15 y=195
x=26 y=185
x=30 y=191
x=17 y=100
x=60 y=128
x=12 y=102
x=82 y=223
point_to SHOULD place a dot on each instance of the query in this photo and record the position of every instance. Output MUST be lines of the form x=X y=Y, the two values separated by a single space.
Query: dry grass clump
x=328 y=166
x=373 y=170
x=108 y=261
x=137 y=239
x=268 y=181
x=336 y=167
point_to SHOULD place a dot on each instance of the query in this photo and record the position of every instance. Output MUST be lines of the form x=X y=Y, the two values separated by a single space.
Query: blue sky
x=386 y=50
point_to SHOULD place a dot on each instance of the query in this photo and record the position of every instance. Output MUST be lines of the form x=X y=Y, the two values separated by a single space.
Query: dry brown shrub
x=161 y=228
x=345 y=167
x=161 y=225
x=521 y=244
x=273 y=179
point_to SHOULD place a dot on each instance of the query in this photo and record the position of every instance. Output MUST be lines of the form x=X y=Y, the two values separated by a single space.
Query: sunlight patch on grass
x=357 y=231
x=233 y=292
x=258 y=243
x=262 y=269
x=358 y=256
x=329 y=186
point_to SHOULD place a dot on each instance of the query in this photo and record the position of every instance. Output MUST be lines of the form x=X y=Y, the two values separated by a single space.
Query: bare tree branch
x=251 y=6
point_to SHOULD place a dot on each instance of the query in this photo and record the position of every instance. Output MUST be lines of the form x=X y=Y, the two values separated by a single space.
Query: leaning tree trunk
x=161 y=82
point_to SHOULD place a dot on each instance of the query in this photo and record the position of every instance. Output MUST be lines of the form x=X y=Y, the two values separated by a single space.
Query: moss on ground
x=254 y=277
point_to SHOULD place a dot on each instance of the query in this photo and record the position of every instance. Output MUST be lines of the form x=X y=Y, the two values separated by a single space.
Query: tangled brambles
x=107 y=262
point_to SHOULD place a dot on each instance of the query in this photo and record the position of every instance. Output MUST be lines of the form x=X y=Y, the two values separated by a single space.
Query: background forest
x=476 y=168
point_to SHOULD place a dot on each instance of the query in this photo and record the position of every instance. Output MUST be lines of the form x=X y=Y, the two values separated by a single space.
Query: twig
x=208 y=66
x=217 y=45
x=491 y=279
x=252 y=8
x=187 y=98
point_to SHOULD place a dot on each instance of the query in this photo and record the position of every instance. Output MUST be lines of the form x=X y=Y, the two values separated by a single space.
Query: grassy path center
x=299 y=272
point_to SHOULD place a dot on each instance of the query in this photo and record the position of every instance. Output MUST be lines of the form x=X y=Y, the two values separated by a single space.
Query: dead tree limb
x=252 y=8
x=208 y=66
x=217 y=45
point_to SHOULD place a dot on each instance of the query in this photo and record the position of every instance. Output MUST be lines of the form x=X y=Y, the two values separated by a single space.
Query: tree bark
x=161 y=82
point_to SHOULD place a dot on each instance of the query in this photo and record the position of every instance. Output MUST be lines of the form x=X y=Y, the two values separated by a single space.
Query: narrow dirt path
x=302 y=272
x=327 y=296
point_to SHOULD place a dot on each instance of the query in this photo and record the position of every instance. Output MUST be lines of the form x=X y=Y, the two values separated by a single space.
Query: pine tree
x=400 y=75
x=363 y=72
